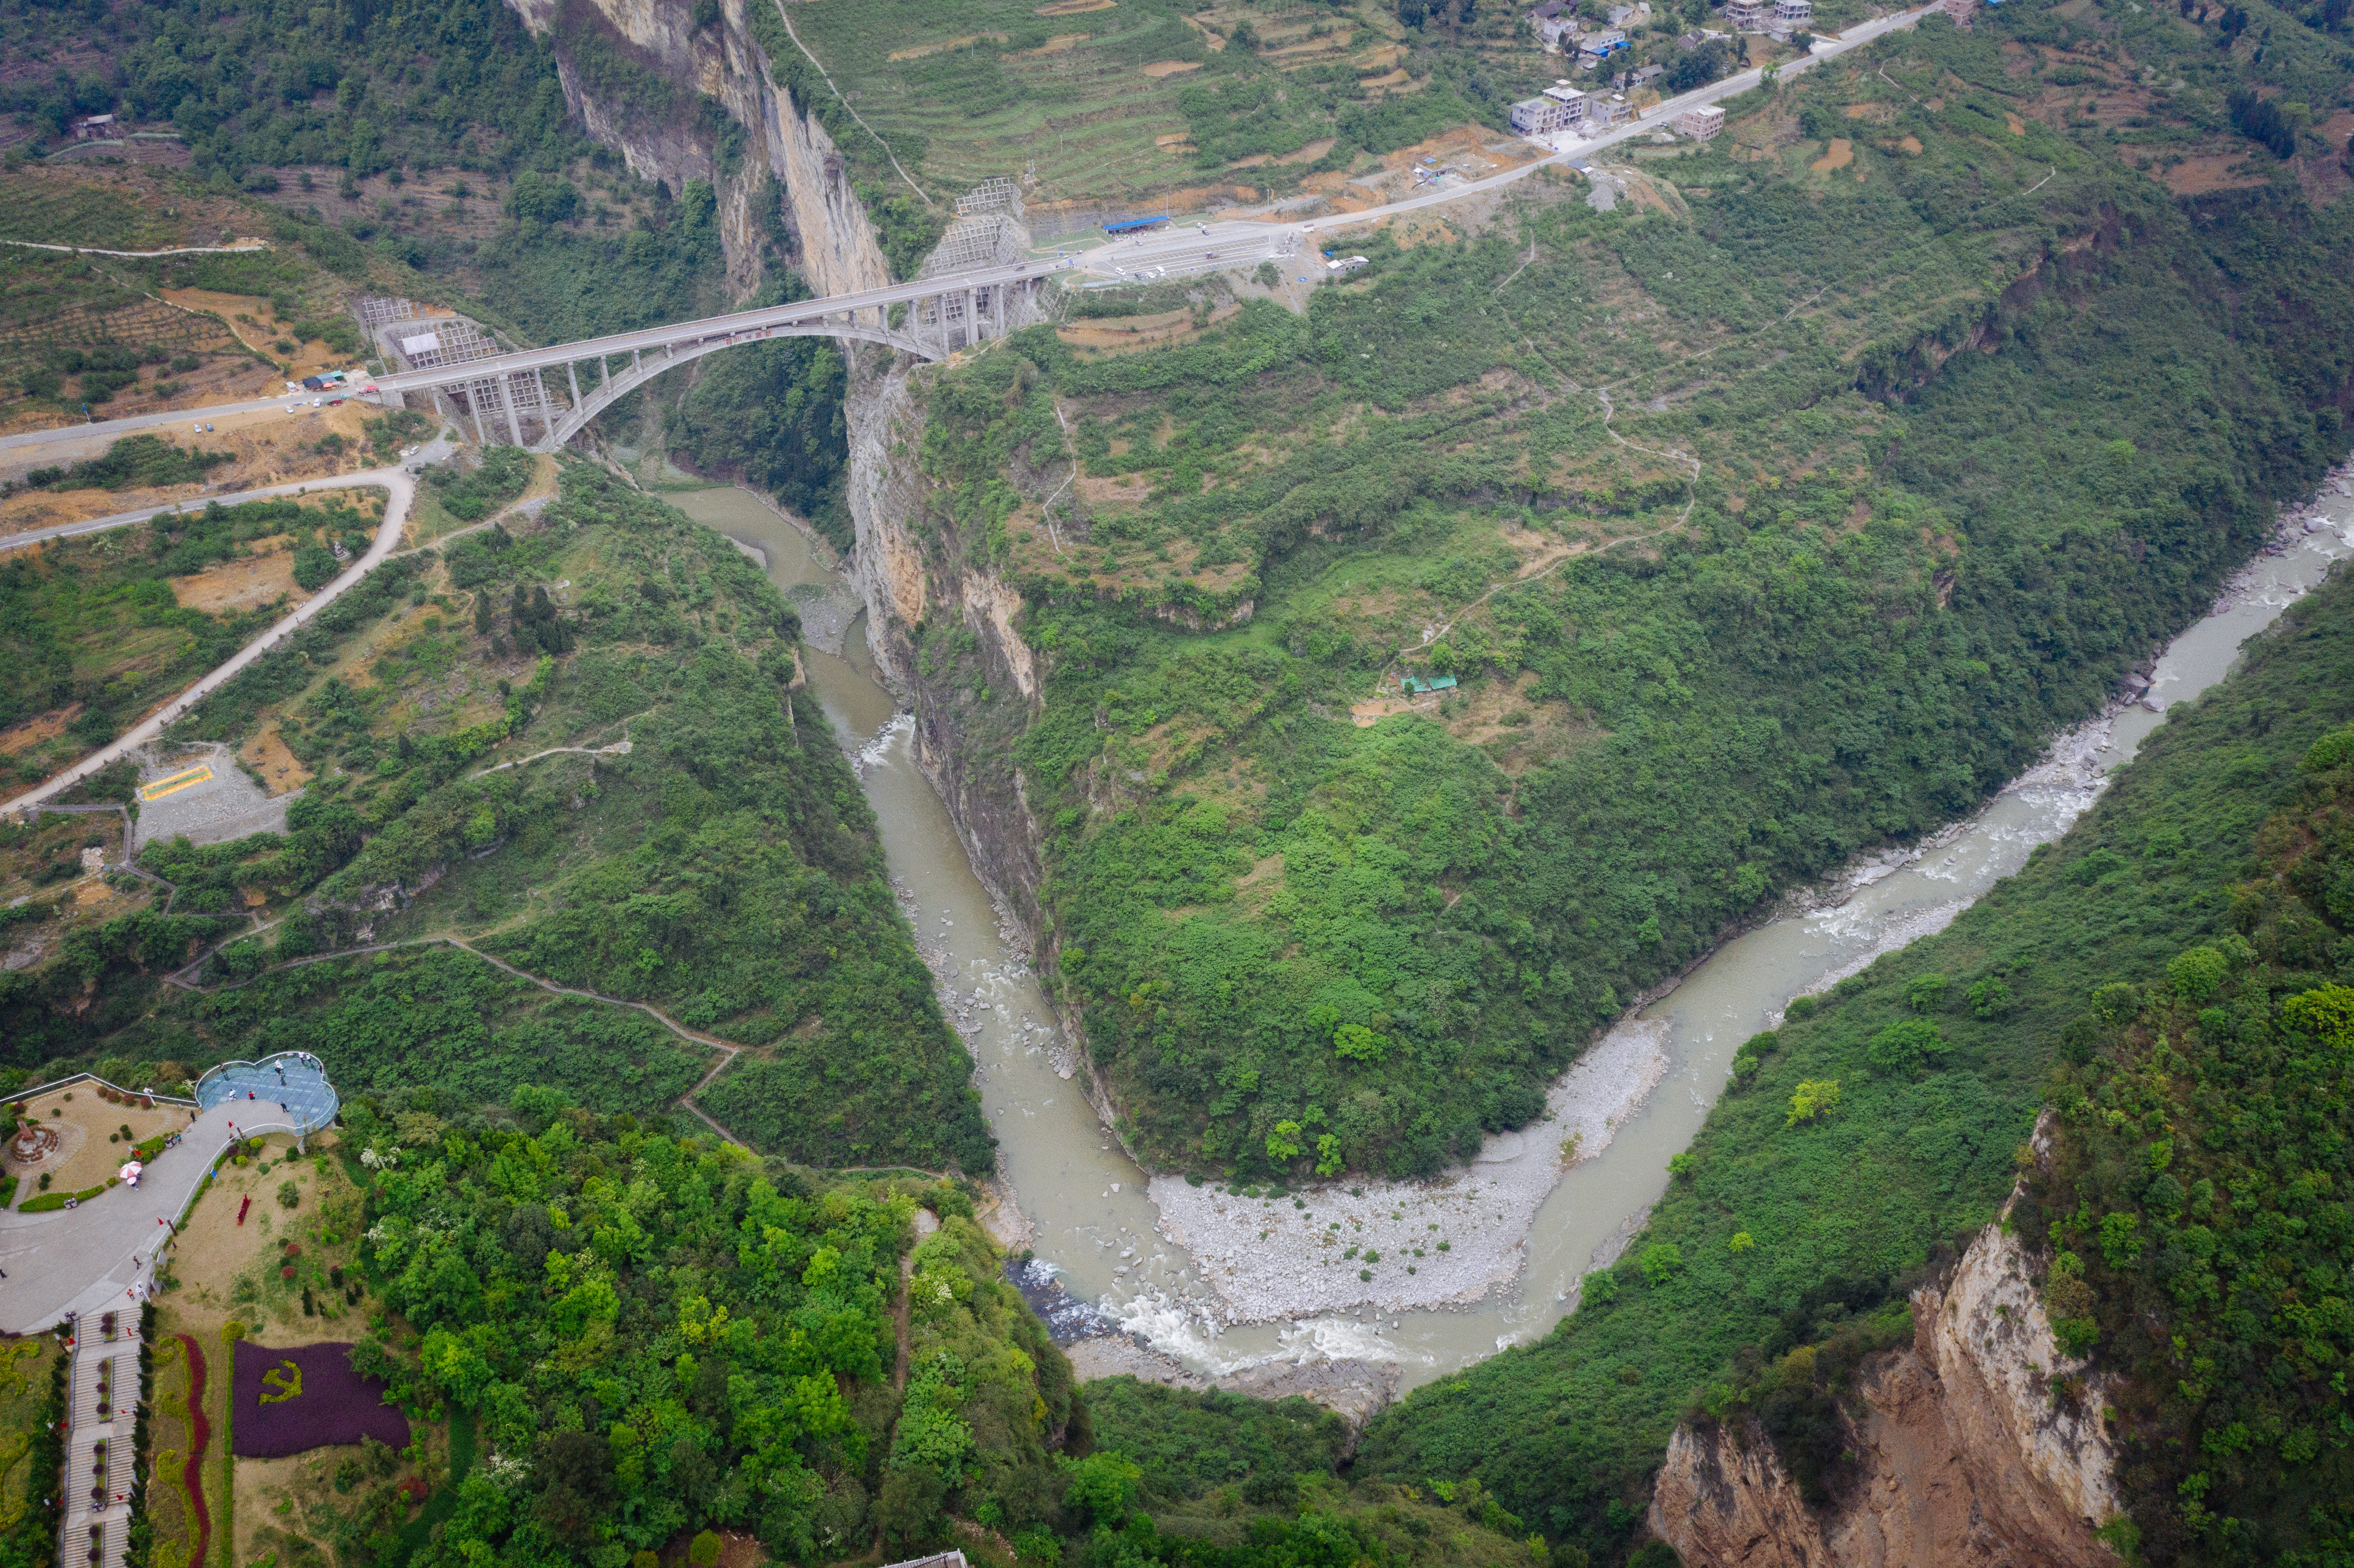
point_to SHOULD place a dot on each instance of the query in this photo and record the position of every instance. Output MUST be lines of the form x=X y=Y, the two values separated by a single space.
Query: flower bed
x=192 y=1478
x=311 y=1398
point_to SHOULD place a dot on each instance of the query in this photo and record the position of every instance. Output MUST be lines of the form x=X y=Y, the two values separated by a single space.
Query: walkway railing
x=17 y=1097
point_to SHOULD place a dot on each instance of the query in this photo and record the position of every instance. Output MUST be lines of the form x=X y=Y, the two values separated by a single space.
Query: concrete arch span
x=594 y=401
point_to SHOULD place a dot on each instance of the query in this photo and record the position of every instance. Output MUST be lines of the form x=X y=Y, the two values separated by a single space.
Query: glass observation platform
x=290 y=1088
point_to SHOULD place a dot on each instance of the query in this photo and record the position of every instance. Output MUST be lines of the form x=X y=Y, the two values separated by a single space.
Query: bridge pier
x=572 y=373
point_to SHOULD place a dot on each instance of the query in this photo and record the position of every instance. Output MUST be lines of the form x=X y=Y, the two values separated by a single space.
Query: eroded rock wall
x=1978 y=1447
x=921 y=586
x=791 y=171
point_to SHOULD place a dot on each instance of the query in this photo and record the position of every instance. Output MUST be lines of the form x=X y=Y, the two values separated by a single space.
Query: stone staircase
x=98 y=1505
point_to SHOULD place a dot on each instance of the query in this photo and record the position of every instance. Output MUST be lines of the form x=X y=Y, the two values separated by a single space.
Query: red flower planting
x=290 y=1401
x=200 y=1436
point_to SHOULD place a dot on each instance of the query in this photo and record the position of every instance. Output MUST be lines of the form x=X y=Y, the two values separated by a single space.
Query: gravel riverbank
x=1445 y=1242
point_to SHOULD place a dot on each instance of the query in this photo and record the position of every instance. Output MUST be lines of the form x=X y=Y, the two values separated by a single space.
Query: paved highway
x=1195 y=247
x=1240 y=243
x=112 y=427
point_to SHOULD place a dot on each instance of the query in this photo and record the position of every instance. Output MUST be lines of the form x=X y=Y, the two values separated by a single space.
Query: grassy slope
x=1567 y=1431
x=1887 y=584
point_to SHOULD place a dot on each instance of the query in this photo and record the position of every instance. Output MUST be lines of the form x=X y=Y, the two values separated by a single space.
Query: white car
x=316 y=401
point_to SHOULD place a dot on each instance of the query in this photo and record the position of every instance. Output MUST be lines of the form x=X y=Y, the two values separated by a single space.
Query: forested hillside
x=722 y=868
x=1785 y=521
x=2156 y=977
x=655 y=1338
x=649 y=1338
x=2197 y=1221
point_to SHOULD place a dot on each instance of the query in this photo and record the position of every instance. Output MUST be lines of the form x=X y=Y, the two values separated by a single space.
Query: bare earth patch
x=38 y=728
x=1160 y=69
x=1373 y=710
x=54 y=508
x=1073 y=7
x=266 y=755
x=261 y=330
x=247 y=584
x=2209 y=172
x=1839 y=155
x=1132 y=332
x=941 y=47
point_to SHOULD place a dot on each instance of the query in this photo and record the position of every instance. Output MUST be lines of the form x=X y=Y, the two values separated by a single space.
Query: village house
x=1560 y=107
x=1703 y=122
x=1595 y=48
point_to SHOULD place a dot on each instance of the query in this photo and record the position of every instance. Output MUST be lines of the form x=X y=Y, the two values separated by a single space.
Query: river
x=1095 y=1222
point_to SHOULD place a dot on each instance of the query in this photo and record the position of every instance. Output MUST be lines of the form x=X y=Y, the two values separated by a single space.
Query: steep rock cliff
x=1980 y=1445
x=922 y=589
x=791 y=161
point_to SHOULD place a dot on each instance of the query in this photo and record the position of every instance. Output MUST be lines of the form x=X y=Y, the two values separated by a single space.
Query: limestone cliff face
x=912 y=577
x=792 y=166
x=917 y=580
x=1980 y=1445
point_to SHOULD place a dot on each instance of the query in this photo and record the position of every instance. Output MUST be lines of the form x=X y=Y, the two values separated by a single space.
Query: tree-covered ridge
x=653 y=1337
x=1967 y=438
x=658 y=1337
x=2195 y=1221
x=723 y=868
x=1880 y=1125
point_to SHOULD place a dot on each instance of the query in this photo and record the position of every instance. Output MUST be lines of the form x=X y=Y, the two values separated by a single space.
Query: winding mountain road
x=398 y=480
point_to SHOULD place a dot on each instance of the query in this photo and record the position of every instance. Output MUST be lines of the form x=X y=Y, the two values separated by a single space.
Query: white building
x=1748 y=16
x=1703 y=122
x=1791 y=16
x=1561 y=107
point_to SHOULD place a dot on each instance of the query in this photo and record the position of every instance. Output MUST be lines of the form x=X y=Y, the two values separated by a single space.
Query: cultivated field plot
x=1119 y=105
x=134 y=336
x=989 y=86
x=118 y=209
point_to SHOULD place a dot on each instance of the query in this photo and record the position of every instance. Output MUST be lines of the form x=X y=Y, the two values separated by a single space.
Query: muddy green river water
x=1094 y=1223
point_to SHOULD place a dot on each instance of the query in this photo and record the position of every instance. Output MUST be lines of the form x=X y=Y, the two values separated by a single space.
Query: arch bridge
x=930 y=318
